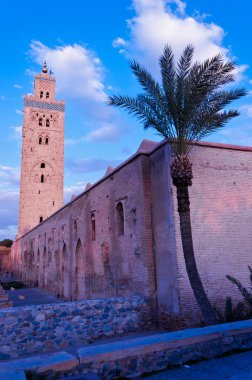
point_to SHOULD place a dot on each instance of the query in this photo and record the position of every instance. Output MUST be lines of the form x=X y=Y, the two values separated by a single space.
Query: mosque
x=121 y=235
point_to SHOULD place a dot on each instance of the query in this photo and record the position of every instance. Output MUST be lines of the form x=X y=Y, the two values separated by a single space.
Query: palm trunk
x=181 y=170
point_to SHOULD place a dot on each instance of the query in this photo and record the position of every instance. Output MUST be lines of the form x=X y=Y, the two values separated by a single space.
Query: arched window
x=92 y=226
x=40 y=219
x=40 y=121
x=47 y=123
x=40 y=140
x=42 y=165
x=42 y=178
x=75 y=227
x=120 y=219
x=47 y=95
x=46 y=140
x=41 y=94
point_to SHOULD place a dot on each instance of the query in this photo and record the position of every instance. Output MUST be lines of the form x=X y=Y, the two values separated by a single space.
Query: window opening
x=46 y=140
x=92 y=226
x=47 y=123
x=75 y=229
x=41 y=219
x=120 y=219
x=40 y=121
x=42 y=165
x=47 y=95
x=41 y=94
x=42 y=178
x=40 y=140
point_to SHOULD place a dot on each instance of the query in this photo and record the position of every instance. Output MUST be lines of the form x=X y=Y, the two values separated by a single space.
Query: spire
x=44 y=70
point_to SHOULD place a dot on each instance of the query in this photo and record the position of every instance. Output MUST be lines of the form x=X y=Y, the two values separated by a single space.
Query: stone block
x=57 y=362
x=12 y=375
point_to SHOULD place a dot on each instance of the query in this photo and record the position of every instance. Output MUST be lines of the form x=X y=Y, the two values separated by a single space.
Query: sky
x=88 y=45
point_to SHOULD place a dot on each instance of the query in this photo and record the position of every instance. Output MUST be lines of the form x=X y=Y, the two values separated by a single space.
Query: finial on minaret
x=44 y=70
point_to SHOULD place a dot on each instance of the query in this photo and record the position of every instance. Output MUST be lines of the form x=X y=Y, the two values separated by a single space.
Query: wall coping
x=93 y=357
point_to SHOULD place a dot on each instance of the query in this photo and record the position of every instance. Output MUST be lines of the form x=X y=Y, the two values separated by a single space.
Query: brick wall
x=61 y=256
x=221 y=215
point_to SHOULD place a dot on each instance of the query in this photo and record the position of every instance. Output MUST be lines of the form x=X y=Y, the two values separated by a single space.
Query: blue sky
x=88 y=44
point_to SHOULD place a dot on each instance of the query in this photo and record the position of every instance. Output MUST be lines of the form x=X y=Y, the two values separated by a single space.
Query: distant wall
x=83 y=252
x=31 y=329
x=5 y=259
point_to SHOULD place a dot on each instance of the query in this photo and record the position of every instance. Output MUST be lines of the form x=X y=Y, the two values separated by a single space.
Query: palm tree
x=187 y=106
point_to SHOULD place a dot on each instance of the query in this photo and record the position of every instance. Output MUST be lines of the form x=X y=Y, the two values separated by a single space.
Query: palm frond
x=149 y=85
x=244 y=291
x=189 y=104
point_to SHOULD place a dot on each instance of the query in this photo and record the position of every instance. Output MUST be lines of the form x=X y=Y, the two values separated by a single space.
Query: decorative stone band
x=44 y=105
x=45 y=79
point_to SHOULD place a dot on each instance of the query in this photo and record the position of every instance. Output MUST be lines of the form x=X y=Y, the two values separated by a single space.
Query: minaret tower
x=42 y=172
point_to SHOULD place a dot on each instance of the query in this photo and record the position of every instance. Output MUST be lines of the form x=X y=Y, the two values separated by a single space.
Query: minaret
x=42 y=171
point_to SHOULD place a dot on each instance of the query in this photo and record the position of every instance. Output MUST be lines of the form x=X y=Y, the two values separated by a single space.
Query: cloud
x=121 y=44
x=9 y=232
x=107 y=132
x=9 y=177
x=246 y=109
x=2 y=97
x=8 y=211
x=19 y=112
x=160 y=22
x=17 y=86
x=80 y=78
x=16 y=133
x=71 y=190
x=90 y=165
x=78 y=70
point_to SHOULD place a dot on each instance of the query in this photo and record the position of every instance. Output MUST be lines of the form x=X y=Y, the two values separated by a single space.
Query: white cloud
x=8 y=232
x=107 y=132
x=157 y=23
x=80 y=78
x=16 y=133
x=19 y=112
x=181 y=5
x=9 y=176
x=246 y=109
x=17 y=86
x=78 y=70
x=119 y=42
x=8 y=211
x=76 y=189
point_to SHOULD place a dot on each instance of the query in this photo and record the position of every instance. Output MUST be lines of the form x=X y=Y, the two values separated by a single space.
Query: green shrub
x=247 y=295
x=6 y=243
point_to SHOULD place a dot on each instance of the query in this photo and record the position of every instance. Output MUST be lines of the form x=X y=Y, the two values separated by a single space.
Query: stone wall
x=31 y=329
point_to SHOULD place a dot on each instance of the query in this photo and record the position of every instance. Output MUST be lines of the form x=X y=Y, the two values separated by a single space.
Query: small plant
x=6 y=243
x=247 y=295
x=231 y=313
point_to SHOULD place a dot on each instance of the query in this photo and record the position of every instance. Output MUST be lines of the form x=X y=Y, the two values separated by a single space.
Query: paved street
x=233 y=367
x=32 y=296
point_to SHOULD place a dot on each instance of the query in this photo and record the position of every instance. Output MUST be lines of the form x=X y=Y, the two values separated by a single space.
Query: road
x=233 y=367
